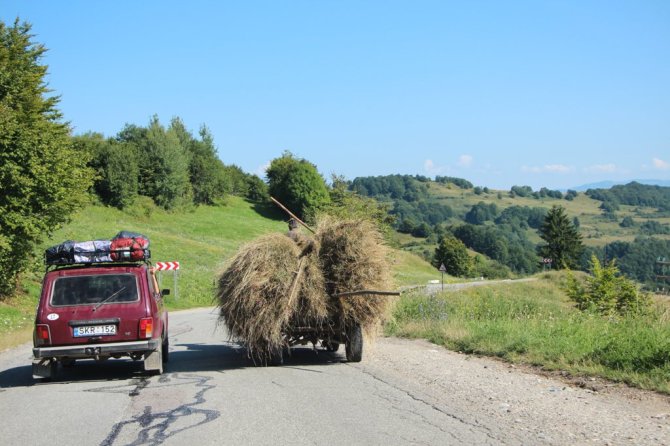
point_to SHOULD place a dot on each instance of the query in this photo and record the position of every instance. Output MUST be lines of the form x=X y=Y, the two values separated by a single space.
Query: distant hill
x=634 y=194
x=627 y=221
x=609 y=184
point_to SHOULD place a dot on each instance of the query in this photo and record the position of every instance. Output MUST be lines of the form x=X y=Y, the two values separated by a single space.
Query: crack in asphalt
x=154 y=426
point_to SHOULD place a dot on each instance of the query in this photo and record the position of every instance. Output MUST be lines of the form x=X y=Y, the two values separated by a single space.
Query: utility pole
x=663 y=269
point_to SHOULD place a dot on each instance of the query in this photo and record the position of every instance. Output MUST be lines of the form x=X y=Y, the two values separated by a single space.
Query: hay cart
x=334 y=332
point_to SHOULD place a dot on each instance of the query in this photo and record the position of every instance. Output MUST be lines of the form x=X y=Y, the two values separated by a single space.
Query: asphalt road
x=404 y=392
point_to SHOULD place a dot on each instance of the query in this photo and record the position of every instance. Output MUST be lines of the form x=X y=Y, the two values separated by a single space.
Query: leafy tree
x=458 y=182
x=407 y=225
x=545 y=192
x=257 y=189
x=522 y=216
x=116 y=167
x=422 y=230
x=652 y=227
x=627 y=222
x=521 y=191
x=206 y=171
x=297 y=184
x=501 y=244
x=453 y=254
x=43 y=178
x=606 y=291
x=571 y=195
x=164 y=164
x=637 y=259
x=563 y=241
x=481 y=212
x=489 y=269
x=347 y=204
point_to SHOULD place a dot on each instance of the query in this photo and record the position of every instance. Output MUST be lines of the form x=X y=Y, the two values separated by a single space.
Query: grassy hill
x=596 y=229
x=201 y=240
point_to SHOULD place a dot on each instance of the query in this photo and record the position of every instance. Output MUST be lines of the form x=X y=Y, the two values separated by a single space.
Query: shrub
x=607 y=292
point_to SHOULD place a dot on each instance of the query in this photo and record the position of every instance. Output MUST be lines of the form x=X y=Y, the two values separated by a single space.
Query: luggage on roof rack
x=123 y=247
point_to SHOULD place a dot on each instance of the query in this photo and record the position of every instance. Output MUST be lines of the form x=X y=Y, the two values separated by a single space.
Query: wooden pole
x=291 y=214
x=372 y=292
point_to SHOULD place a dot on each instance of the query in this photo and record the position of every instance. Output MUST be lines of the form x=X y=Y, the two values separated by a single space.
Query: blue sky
x=539 y=93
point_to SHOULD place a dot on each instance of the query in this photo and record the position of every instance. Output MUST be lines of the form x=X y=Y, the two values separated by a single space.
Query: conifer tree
x=563 y=241
x=43 y=179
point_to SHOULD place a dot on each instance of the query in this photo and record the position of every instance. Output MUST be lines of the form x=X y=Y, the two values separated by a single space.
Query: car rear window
x=97 y=289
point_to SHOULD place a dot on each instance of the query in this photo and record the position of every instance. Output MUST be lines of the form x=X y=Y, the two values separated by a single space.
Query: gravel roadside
x=517 y=405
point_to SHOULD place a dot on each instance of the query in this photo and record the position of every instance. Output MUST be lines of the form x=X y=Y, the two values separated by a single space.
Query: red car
x=100 y=310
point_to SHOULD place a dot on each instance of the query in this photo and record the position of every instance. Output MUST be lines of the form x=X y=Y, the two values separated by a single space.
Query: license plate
x=94 y=330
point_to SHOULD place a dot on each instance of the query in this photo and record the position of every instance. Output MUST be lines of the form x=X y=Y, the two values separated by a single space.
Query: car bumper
x=96 y=350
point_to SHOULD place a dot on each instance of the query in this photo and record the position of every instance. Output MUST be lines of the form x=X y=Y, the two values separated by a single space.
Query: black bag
x=61 y=254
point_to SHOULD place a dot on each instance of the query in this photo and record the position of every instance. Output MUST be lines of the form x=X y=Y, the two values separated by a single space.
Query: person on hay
x=305 y=243
x=293 y=229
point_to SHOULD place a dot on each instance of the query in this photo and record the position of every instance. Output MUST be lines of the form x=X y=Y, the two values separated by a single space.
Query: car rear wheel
x=165 y=350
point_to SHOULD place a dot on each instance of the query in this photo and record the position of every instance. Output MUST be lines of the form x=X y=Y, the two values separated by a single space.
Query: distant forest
x=634 y=194
x=501 y=234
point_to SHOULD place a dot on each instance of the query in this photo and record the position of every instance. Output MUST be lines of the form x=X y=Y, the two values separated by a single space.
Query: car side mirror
x=165 y=292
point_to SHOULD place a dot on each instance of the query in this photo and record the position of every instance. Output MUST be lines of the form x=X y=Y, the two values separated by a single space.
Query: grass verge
x=534 y=323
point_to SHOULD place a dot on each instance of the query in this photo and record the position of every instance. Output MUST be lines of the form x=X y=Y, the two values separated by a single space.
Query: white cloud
x=602 y=168
x=465 y=160
x=548 y=168
x=660 y=164
x=431 y=168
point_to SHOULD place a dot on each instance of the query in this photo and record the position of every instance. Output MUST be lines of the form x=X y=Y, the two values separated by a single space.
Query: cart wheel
x=354 y=345
x=331 y=346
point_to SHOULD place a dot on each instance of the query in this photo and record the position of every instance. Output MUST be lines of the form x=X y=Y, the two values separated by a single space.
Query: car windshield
x=91 y=290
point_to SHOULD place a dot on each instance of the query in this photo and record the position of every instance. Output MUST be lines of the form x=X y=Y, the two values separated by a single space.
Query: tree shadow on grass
x=269 y=210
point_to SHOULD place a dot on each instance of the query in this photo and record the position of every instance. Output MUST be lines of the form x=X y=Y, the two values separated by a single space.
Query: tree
x=606 y=291
x=481 y=212
x=627 y=222
x=43 y=178
x=297 y=184
x=347 y=204
x=563 y=241
x=452 y=253
x=206 y=171
x=257 y=189
x=115 y=165
x=164 y=164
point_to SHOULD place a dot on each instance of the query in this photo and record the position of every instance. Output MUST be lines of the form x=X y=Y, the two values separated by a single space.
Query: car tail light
x=146 y=327
x=42 y=335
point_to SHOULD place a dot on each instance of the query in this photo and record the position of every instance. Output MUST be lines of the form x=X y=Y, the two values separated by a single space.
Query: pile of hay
x=353 y=257
x=267 y=284
x=278 y=282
